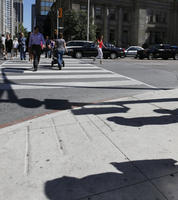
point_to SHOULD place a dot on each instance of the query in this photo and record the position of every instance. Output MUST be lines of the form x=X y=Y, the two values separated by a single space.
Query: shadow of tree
x=129 y=174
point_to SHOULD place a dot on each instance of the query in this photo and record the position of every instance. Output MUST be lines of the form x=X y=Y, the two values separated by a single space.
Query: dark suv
x=164 y=51
x=89 y=49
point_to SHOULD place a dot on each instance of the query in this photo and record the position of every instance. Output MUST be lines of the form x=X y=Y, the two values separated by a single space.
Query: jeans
x=60 y=54
x=22 y=53
x=48 y=53
x=100 y=53
x=36 y=51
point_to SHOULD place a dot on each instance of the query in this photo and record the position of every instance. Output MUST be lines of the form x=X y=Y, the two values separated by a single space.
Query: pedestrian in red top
x=100 y=45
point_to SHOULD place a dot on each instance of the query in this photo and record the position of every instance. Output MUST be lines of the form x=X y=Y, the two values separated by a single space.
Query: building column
x=105 y=32
x=119 y=26
x=93 y=13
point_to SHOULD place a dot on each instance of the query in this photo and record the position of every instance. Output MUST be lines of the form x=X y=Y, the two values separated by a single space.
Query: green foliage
x=75 y=26
x=22 y=29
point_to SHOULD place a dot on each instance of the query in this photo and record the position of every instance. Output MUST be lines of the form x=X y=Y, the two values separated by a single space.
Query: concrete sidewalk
x=126 y=149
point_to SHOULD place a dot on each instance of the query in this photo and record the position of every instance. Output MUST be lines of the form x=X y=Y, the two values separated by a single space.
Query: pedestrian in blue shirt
x=22 y=47
x=36 y=42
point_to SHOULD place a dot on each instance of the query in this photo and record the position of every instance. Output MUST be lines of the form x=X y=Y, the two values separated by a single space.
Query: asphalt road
x=25 y=94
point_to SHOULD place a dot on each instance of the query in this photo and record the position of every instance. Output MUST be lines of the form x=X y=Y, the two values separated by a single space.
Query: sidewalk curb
x=39 y=118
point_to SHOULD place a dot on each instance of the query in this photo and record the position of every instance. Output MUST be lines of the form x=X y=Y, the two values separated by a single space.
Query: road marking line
x=42 y=64
x=20 y=86
x=143 y=83
x=60 y=76
x=55 y=71
x=69 y=84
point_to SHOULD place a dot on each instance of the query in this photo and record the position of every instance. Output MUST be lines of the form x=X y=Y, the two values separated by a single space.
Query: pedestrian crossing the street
x=19 y=75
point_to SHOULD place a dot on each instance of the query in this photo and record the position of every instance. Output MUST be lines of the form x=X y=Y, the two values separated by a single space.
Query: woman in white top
x=15 y=47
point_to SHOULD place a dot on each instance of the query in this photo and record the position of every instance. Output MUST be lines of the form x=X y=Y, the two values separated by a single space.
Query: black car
x=76 y=43
x=90 y=50
x=164 y=51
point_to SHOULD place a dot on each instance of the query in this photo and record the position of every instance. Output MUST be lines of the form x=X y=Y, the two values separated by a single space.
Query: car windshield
x=75 y=44
x=92 y=45
x=109 y=45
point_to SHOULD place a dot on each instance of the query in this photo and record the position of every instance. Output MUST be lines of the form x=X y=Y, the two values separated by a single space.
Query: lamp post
x=88 y=22
x=58 y=6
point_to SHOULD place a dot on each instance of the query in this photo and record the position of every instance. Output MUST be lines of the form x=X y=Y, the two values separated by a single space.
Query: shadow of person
x=170 y=118
x=129 y=174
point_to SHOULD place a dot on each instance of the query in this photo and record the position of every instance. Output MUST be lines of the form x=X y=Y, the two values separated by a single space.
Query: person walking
x=8 y=46
x=29 y=49
x=1 y=48
x=35 y=42
x=15 y=47
x=3 y=45
x=22 y=46
x=61 y=48
x=100 y=45
x=48 y=47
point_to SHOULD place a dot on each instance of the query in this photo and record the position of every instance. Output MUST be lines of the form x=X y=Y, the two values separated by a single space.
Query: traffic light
x=60 y=13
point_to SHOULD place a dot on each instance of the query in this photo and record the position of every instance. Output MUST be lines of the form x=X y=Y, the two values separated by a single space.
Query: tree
x=75 y=26
x=22 y=29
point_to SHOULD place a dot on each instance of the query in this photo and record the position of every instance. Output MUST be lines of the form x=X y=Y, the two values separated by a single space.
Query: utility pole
x=88 y=22
x=59 y=15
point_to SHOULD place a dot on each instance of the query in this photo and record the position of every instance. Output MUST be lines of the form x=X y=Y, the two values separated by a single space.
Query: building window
x=157 y=18
x=151 y=19
x=163 y=17
x=44 y=12
x=98 y=12
x=112 y=13
x=46 y=3
x=125 y=39
x=126 y=17
x=112 y=36
x=83 y=8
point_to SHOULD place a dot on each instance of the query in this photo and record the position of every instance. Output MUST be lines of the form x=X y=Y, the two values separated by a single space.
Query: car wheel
x=113 y=55
x=176 y=56
x=151 y=56
x=78 y=55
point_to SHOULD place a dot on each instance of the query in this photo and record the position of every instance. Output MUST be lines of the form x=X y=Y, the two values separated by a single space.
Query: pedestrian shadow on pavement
x=134 y=180
x=171 y=117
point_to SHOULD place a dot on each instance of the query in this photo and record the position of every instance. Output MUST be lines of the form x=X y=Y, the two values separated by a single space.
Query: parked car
x=164 y=51
x=132 y=51
x=90 y=50
x=76 y=43
x=176 y=51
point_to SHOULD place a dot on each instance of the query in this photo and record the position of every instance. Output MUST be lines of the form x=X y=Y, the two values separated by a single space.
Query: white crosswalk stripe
x=19 y=76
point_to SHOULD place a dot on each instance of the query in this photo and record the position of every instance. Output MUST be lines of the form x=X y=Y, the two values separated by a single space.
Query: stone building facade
x=131 y=22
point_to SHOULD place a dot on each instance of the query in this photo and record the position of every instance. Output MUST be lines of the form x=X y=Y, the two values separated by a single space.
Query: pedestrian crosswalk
x=17 y=75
